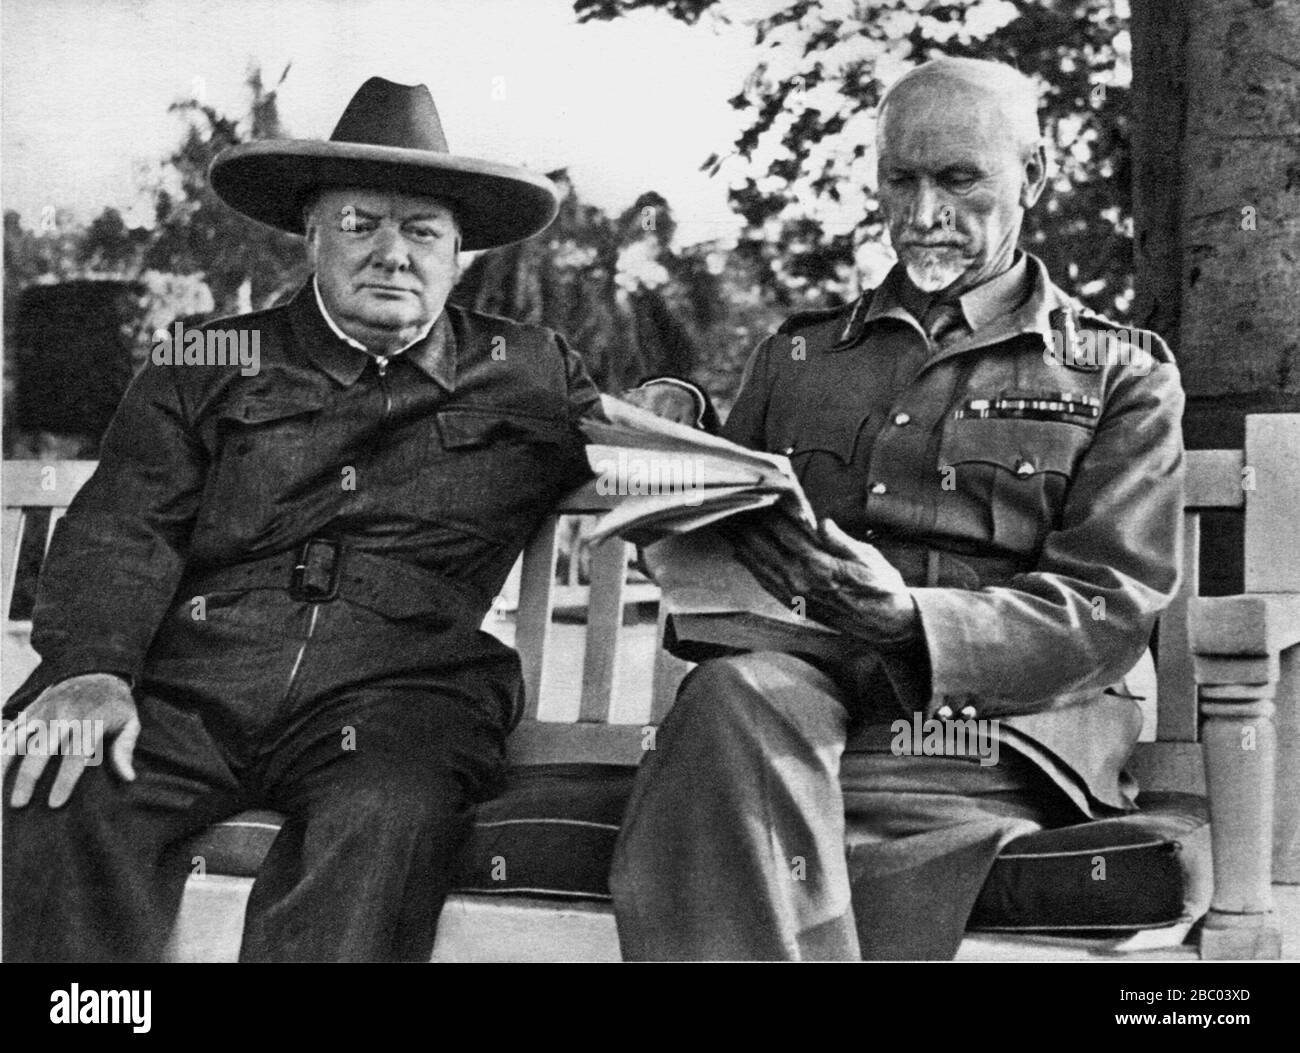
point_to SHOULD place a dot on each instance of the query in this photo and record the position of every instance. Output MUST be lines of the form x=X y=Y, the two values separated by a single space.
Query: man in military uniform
x=270 y=592
x=999 y=527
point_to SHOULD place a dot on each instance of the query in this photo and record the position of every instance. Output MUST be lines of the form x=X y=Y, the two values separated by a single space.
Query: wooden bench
x=1226 y=719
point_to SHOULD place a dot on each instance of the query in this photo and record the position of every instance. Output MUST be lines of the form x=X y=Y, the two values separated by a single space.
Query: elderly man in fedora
x=270 y=591
x=1001 y=527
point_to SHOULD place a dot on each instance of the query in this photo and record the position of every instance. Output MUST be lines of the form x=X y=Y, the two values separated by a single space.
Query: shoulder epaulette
x=1146 y=339
x=852 y=314
x=806 y=318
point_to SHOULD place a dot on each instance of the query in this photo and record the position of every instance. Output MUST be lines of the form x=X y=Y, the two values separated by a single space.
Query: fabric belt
x=324 y=569
x=926 y=565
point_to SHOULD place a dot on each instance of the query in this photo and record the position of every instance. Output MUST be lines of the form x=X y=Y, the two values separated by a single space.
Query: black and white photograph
x=654 y=481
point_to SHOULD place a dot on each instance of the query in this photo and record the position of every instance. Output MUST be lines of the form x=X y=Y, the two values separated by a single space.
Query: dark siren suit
x=1033 y=504
x=374 y=720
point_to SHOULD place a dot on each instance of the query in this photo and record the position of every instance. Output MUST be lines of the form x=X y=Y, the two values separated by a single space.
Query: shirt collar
x=992 y=299
x=1020 y=299
x=433 y=351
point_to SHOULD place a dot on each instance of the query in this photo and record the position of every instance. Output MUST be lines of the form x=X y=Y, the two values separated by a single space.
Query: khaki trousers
x=753 y=834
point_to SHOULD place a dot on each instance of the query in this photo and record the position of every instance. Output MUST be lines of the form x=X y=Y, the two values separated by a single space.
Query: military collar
x=1044 y=308
x=1040 y=310
x=434 y=354
x=988 y=302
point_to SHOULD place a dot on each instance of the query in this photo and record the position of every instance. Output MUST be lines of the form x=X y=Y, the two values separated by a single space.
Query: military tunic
x=1027 y=488
x=1025 y=476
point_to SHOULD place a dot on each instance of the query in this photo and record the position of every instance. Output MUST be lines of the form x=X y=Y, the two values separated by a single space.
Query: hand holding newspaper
x=676 y=484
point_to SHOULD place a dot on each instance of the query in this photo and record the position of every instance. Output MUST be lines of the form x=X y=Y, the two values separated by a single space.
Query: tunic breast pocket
x=822 y=447
x=265 y=451
x=500 y=471
x=1011 y=476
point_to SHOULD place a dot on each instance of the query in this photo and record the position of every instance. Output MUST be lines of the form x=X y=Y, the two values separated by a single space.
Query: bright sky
x=628 y=106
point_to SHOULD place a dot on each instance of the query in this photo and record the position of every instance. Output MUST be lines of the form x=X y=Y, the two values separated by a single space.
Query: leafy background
x=621 y=287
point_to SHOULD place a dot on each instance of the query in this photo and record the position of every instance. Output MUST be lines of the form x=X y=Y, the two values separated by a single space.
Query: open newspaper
x=676 y=485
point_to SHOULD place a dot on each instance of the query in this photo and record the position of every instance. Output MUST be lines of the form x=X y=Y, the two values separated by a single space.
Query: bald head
x=960 y=158
x=997 y=92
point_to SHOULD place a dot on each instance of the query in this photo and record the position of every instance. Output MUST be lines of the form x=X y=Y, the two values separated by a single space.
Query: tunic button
x=902 y=418
x=968 y=712
x=1024 y=468
x=944 y=713
x=879 y=488
x=787 y=451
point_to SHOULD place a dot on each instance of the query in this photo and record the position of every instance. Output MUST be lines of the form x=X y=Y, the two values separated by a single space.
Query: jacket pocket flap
x=1024 y=447
x=834 y=432
x=252 y=410
x=463 y=427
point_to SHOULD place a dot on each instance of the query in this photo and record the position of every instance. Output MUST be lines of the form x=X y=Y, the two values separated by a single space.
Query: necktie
x=943 y=323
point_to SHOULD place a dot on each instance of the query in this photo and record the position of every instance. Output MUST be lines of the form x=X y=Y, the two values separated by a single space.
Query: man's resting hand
x=101 y=699
x=844 y=583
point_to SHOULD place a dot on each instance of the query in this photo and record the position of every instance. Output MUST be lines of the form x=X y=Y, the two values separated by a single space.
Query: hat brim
x=495 y=204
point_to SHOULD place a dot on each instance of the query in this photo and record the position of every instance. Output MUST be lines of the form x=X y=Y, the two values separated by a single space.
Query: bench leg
x=1286 y=822
x=1240 y=745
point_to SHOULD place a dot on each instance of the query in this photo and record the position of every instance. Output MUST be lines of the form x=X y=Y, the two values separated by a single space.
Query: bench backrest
x=1263 y=481
x=1260 y=480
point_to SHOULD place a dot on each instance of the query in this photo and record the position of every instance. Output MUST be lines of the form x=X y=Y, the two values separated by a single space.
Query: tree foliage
x=628 y=299
x=802 y=168
x=197 y=233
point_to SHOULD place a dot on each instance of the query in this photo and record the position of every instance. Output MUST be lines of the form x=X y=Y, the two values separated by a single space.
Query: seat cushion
x=1142 y=870
x=551 y=833
x=236 y=846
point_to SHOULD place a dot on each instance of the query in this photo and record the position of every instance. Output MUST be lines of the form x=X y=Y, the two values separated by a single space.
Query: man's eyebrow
x=415 y=217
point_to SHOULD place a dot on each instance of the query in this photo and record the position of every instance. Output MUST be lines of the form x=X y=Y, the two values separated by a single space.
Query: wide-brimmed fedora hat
x=388 y=138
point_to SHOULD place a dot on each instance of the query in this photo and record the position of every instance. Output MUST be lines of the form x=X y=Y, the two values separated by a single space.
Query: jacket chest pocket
x=276 y=435
x=464 y=428
x=265 y=449
x=1012 y=474
x=500 y=471
x=822 y=443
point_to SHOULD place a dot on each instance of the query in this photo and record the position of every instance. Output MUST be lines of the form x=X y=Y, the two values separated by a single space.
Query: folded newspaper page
x=677 y=484
x=716 y=606
x=674 y=479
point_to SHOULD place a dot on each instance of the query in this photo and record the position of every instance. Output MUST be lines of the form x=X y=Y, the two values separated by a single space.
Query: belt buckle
x=302 y=587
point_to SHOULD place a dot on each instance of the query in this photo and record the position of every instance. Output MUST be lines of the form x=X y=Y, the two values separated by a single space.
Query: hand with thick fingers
x=670 y=400
x=844 y=583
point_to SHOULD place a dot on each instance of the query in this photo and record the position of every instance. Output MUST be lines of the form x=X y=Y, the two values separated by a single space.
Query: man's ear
x=1035 y=164
x=309 y=224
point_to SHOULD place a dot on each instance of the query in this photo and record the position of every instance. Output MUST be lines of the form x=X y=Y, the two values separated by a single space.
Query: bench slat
x=669 y=673
x=55 y=515
x=1273 y=452
x=536 y=599
x=1176 y=712
x=1214 y=479
x=44 y=484
x=15 y=521
x=604 y=628
x=553 y=742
